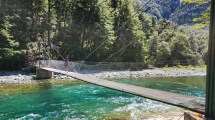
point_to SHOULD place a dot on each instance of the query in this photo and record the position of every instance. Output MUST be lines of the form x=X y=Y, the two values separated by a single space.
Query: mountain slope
x=176 y=11
x=185 y=13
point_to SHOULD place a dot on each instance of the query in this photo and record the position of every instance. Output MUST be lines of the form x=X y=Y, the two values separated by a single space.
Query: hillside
x=176 y=11
x=97 y=30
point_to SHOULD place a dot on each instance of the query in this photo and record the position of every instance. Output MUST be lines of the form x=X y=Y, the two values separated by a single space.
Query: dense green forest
x=97 y=30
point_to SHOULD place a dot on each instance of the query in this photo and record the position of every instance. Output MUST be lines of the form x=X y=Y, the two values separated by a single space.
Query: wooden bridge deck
x=188 y=102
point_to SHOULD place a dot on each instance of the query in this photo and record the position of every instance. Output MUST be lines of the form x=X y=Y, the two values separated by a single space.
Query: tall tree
x=84 y=29
x=128 y=30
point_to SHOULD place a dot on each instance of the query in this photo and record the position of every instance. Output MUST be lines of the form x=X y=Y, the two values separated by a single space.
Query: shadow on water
x=44 y=84
x=45 y=100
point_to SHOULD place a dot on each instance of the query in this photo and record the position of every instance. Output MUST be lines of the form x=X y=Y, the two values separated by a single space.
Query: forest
x=99 y=31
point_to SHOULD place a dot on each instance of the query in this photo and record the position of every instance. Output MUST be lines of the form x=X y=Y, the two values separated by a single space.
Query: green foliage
x=11 y=60
x=177 y=46
x=13 y=34
x=203 y=20
x=181 y=52
x=188 y=67
x=196 y=1
x=128 y=29
x=94 y=30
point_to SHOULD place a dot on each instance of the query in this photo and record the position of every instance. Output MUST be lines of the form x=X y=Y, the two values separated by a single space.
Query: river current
x=79 y=100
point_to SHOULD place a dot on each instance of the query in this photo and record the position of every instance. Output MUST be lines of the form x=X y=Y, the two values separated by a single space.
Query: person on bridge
x=66 y=63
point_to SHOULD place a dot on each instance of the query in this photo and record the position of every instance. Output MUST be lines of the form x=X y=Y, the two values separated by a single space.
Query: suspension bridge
x=188 y=102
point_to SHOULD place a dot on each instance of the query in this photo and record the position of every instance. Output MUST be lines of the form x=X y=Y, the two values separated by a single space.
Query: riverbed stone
x=19 y=77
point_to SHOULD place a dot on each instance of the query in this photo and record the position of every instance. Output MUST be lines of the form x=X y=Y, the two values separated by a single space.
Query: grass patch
x=117 y=116
x=189 y=67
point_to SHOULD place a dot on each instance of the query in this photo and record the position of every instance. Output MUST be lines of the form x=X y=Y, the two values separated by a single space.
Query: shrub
x=14 y=61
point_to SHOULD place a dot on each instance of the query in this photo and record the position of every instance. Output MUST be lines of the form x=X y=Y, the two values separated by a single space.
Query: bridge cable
x=113 y=54
x=63 y=34
x=181 y=116
x=106 y=40
x=141 y=8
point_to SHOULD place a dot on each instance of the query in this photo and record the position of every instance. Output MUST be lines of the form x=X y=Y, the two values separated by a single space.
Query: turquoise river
x=79 y=100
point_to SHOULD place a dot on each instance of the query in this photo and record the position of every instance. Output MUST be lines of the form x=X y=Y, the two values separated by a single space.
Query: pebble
x=148 y=73
x=17 y=77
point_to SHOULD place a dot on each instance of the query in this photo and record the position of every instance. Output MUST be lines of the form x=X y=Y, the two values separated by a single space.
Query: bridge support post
x=43 y=74
x=210 y=83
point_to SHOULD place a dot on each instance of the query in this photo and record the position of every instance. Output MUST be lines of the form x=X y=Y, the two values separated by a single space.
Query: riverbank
x=148 y=73
x=21 y=77
x=16 y=77
x=25 y=78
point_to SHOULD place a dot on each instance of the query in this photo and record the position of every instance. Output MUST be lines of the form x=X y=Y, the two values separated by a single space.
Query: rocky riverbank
x=24 y=78
x=16 y=77
x=21 y=77
x=148 y=73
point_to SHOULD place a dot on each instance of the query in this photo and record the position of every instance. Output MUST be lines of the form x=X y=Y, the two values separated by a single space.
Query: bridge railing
x=83 y=67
